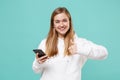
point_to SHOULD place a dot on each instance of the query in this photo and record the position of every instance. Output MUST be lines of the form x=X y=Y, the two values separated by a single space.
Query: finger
x=44 y=57
x=70 y=48
x=37 y=56
x=72 y=42
x=42 y=60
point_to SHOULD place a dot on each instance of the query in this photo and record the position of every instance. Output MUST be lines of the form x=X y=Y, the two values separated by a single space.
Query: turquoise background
x=24 y=23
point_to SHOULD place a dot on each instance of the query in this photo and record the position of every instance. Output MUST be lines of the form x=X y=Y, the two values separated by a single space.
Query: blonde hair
x=52 y=38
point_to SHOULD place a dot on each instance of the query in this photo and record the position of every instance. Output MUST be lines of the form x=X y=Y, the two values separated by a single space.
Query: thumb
x=72 y=42
x=37 y=56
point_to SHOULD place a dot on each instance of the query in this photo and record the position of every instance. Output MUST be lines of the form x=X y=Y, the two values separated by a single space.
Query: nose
x=61 y=24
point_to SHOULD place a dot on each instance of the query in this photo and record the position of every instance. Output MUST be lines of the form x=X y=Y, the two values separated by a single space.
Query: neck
x=61 y=36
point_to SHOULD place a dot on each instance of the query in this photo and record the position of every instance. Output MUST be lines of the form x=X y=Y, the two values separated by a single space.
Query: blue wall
x=24 y=23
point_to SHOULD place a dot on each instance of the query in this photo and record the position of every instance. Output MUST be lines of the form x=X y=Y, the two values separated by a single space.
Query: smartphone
x=39 y=51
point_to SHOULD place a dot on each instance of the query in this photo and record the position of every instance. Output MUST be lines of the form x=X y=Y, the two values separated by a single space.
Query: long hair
x=52 y=38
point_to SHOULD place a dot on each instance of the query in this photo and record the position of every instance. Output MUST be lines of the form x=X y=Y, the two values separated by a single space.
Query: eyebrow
x=62 y=19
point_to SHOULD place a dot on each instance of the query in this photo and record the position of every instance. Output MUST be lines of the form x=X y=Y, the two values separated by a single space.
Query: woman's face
x=61 y=24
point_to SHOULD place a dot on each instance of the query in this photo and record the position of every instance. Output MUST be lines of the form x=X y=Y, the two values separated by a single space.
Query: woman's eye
x=57 y=21
x=64 y=20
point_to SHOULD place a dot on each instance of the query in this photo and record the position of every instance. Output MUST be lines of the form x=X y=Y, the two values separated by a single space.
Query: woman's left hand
x=73 y=48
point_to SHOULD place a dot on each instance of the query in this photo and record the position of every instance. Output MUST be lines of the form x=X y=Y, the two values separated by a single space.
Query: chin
x=63 y=33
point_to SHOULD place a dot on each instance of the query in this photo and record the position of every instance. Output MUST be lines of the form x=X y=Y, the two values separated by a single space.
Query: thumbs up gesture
x=73 y=48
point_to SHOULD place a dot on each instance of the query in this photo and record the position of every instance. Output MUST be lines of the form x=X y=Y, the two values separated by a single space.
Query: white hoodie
x=63 y=67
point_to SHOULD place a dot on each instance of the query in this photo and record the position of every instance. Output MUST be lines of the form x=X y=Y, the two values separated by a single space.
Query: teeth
x=62 y=28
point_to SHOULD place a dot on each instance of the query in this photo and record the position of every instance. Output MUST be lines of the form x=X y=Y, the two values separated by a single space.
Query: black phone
x=39 y=51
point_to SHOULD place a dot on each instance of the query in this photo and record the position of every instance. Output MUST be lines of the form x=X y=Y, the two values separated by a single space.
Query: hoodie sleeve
x=38 y=68
x=90 y=49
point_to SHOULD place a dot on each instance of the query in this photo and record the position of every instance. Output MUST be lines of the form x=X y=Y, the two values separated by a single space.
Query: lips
x=62 y=28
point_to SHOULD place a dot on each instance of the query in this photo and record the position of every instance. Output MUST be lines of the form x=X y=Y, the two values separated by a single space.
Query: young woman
x=66 y=53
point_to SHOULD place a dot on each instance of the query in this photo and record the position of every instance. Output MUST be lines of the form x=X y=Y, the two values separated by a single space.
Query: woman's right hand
x=42 y=59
